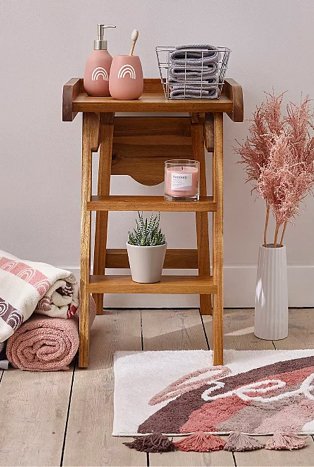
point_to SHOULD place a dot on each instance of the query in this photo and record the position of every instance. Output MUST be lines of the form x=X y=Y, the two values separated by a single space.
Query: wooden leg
x=197 y=130
x=89 y=143
x=104 y=172
x=218 y=239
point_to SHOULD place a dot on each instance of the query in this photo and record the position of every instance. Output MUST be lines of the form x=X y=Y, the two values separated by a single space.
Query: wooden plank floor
x=66 y=418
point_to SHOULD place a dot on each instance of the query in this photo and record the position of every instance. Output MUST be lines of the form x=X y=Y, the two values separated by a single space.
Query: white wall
x=46 y=42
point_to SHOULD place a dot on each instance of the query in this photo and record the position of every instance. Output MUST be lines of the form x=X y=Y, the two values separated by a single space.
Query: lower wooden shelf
x=149 y=203
x=167 y=285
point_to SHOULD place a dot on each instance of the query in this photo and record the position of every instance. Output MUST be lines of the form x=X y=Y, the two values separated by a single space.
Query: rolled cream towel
x=26 y=285
x=45 y=344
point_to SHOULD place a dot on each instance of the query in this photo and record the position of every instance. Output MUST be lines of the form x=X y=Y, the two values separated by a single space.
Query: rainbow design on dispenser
x=98 y=73
x=126 y=70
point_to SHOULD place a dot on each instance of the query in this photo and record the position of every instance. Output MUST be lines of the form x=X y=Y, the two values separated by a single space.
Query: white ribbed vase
x=146 y=262
x=271 y=296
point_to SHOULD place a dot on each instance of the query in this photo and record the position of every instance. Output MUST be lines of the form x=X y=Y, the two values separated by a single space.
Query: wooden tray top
x=153 y=99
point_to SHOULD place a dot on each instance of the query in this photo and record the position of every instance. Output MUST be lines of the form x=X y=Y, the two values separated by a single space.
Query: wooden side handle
x=71 y=90
x=234 y=92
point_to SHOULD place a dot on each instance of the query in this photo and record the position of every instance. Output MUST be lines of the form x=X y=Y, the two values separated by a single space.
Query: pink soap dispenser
x=96 y=76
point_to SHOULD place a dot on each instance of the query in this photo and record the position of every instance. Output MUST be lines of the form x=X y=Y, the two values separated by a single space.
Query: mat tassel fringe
x=200 y=442
x=204 y=442
x=286 y=441
x=240 y=442
x=155 y=442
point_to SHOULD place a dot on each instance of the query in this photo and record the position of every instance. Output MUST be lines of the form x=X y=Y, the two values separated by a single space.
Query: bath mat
x=179 y=392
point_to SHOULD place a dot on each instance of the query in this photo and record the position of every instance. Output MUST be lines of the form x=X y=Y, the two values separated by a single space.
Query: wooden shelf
x=138 y=146
x=168 y=284
x=76 y=100
x=149 y=103
x=149 y=203
x=129 y=143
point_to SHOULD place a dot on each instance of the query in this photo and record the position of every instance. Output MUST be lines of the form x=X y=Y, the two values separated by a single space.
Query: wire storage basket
x=192 y=72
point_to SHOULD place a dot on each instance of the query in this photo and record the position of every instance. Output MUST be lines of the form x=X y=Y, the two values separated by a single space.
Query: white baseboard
x=239 y=290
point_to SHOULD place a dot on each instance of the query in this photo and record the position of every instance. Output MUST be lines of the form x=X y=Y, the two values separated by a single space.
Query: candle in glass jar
x=182 y=179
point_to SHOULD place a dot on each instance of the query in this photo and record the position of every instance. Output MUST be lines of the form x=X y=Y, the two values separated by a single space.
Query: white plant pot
x=146 y=262
x=271 y=297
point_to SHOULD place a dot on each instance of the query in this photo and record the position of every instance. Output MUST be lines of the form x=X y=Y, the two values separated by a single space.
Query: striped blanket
x=27 y=286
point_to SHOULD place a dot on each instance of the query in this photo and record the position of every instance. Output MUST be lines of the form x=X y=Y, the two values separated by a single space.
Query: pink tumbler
x=126 y=77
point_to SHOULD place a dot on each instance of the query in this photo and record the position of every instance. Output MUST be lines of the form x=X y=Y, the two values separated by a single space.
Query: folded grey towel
x=193 y=85
x=195 y=55
x=184 y=92
x=193 y=73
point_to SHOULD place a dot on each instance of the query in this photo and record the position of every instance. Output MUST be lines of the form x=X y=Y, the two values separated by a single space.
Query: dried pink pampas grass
x=279 y=158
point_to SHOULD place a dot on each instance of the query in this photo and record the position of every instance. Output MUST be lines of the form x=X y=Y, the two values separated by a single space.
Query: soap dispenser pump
x=96 y=76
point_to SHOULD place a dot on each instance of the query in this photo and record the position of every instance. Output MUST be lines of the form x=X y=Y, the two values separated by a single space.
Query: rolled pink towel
x=46 y=344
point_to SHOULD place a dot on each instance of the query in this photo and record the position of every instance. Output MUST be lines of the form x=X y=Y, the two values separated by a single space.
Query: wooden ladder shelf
x=138 y=146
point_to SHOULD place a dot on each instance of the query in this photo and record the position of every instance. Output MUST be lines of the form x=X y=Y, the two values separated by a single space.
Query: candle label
x=180 y=181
